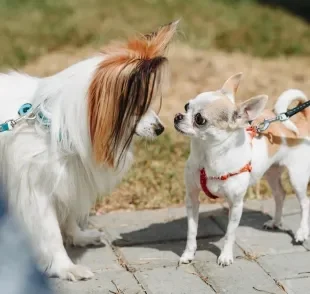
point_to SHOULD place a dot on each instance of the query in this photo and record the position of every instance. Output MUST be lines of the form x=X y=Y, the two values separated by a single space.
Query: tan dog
x=225 y=159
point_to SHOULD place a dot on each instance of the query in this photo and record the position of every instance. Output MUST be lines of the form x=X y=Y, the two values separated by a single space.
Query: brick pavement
x=143 y=249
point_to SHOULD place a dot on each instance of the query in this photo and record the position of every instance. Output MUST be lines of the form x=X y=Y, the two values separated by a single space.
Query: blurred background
x=268 y=40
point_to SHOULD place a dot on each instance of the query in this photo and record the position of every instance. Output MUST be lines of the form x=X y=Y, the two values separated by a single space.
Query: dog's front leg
x=235 y=212
x=192 y=208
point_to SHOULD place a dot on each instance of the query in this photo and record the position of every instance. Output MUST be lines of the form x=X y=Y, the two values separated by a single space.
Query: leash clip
x=266 y=123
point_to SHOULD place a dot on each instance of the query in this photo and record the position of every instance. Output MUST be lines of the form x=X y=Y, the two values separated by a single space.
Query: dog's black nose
x=178 y=117
x=159 y=130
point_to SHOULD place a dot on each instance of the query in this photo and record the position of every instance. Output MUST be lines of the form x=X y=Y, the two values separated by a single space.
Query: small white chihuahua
x=226 y=158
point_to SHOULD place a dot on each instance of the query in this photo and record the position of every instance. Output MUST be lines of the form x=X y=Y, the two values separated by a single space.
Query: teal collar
x=27 y=113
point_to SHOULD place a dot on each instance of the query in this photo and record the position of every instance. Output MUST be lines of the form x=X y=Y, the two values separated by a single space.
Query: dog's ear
x=250 y=109
x=160 y=39
x=230 y=87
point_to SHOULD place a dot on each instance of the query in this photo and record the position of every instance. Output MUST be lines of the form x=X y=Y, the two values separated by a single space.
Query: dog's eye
x=186 y=106
x=199 y=120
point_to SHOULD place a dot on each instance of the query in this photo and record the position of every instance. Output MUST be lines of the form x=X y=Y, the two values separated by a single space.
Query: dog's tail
x=122 y=89
x=284 y=101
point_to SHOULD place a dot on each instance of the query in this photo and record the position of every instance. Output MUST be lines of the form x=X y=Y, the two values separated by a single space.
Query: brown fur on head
x=122 y=90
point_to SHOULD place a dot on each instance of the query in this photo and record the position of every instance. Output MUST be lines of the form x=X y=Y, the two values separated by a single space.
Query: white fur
x=283 y=102
x=220 y=152
x=53 y=183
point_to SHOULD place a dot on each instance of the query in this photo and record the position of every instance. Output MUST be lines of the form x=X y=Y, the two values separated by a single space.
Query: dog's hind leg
x=299 y=176
x=273 y=177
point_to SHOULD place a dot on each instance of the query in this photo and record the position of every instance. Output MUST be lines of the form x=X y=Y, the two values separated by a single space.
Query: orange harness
x=247 y=168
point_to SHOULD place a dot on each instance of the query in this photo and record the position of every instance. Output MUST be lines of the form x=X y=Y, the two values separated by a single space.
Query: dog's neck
x=223 y=157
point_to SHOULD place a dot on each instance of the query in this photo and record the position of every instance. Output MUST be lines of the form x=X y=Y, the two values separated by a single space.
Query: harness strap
x=247 y=168
x=203 y=184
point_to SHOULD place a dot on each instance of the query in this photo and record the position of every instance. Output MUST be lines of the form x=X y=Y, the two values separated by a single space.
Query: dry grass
x=156 y=180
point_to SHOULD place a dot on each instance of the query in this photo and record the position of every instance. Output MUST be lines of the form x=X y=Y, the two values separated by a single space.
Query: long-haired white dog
x=79 y=143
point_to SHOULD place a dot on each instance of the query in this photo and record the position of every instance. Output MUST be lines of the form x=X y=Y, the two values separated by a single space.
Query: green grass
x=30 y=28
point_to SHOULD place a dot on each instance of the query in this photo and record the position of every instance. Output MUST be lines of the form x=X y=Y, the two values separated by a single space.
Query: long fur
x=95 y=106
x=130 y=77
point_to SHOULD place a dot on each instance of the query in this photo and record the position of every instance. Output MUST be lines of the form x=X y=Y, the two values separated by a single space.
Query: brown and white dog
x=226 y=158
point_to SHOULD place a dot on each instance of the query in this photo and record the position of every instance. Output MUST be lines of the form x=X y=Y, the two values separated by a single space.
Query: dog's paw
x=74 y=273
x=226 y=258
x=301 y=235
x=187 y=257
x=88 y=237
x=271 y=225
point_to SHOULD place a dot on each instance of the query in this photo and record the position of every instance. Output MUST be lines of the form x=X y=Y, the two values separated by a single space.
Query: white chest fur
x=230 y=157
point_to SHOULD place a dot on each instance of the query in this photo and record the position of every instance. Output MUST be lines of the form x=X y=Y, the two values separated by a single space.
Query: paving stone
x=158 y=255
x=254 y=239
x=155 y=240
x=133 y=218
x=172 y=281
x=241 y=277
x=286 y=266
x=292 y=222
x=306 y=244
x=256 y=205
x=147 y=257
x=101 y=283
x=160 y=231
x=291 y=205
x=267 y=206
x=296 y=286
x=96 y=258
x=204 y=210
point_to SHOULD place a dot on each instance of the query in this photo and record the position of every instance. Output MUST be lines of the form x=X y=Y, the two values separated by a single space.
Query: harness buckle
x=266 y=123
